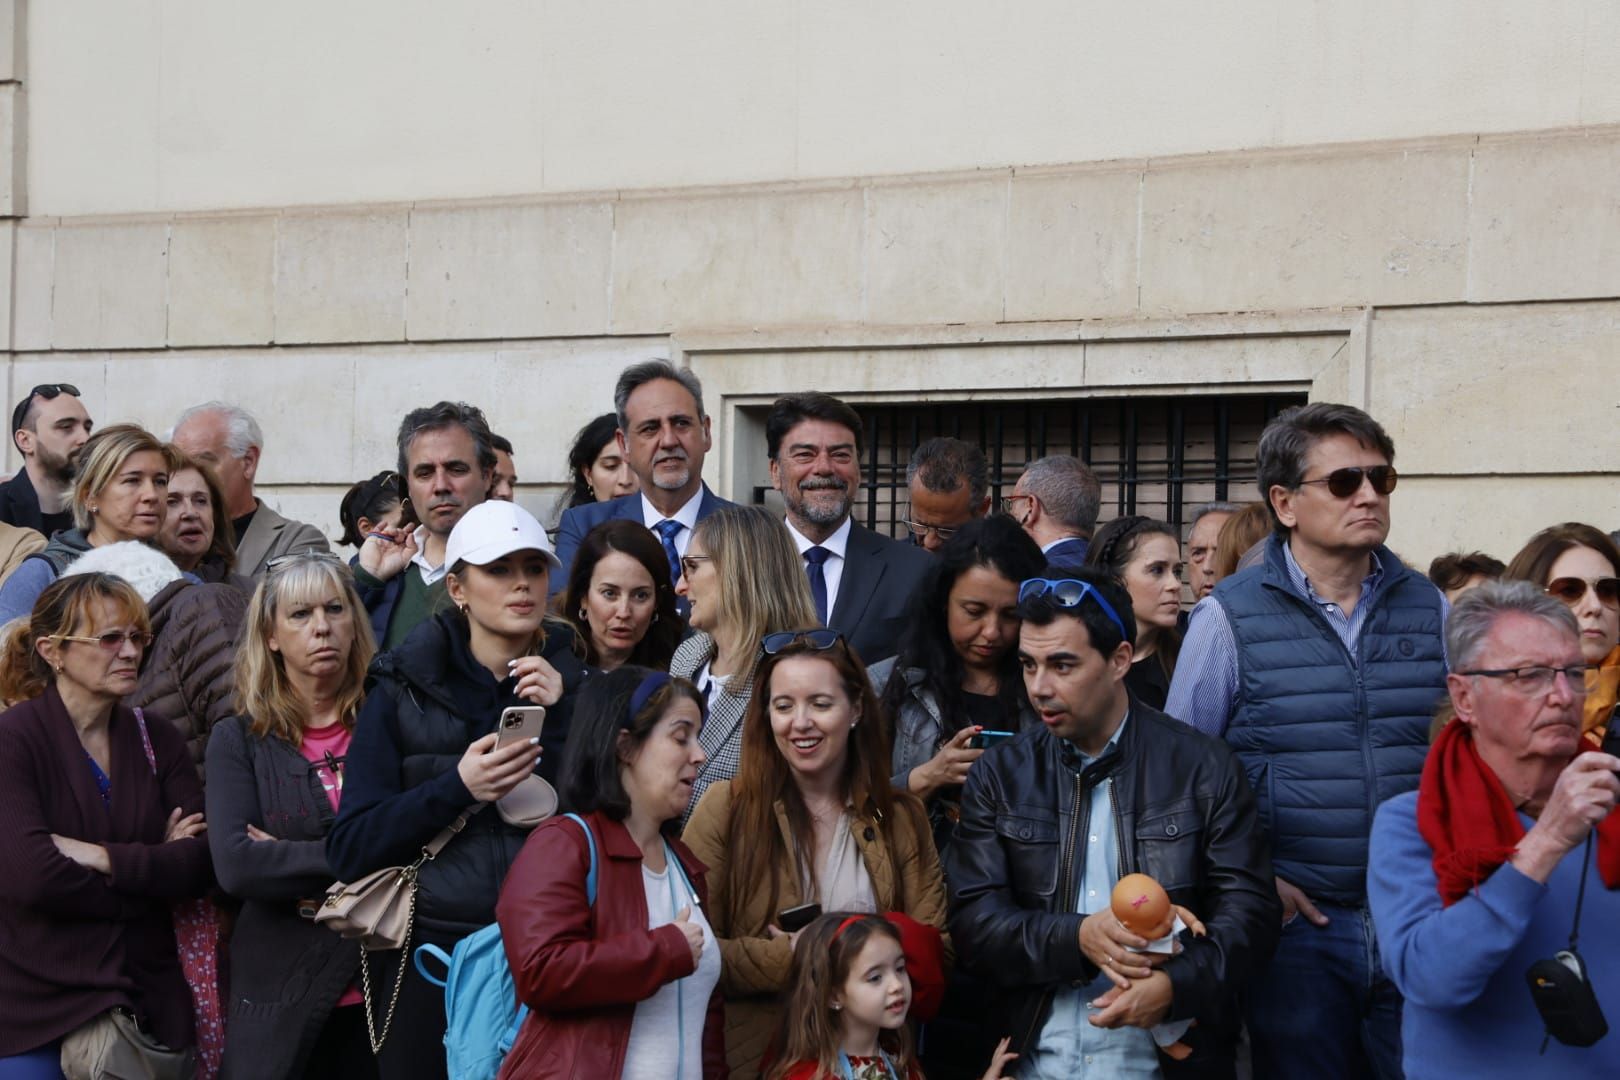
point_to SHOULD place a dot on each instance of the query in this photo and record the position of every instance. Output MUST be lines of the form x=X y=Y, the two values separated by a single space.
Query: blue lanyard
x=849 y=1073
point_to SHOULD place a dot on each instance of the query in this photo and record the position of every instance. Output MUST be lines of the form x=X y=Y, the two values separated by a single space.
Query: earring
x=593 y=490
x=836 y=1006
x=582 y=617
x=654 y=618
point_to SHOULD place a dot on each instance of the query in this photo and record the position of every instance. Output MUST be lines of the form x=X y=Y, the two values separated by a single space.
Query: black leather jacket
x=1183 y=813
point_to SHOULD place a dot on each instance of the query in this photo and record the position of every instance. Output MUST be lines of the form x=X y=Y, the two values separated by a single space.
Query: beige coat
x=16 y=544
x=754 y=967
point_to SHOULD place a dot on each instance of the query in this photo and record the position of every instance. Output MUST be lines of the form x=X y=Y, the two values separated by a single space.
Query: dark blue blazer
x=579 y=520
x=880 y=577
x=1069 y=554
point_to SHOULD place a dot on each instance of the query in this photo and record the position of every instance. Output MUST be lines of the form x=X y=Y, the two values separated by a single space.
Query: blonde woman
x=277 y=771
x=119 y=493
x=744 y=579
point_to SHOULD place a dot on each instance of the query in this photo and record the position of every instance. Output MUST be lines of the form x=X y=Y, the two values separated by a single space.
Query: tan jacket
x=754 y=967
x=16 y=544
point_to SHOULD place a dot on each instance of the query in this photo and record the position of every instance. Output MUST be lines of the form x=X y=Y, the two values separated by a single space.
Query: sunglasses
x=1572 y=590
x=1343 y=483
x=43 y=390
x=113 y=640
x=1069 y=593
x=819 y=640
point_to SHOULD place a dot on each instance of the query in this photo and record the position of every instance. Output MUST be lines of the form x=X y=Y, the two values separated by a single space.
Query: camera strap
x=1580 y=900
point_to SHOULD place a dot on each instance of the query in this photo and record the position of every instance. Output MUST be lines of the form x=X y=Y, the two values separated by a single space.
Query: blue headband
x=650 y=685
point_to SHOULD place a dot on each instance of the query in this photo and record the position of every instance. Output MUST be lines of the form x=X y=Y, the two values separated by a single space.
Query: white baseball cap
x=494 y=529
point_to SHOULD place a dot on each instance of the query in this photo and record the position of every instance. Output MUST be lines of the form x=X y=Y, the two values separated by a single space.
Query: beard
x=821 y=511
x=59 y=467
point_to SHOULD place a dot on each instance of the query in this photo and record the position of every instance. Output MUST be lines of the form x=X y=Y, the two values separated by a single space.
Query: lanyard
x=672 y=868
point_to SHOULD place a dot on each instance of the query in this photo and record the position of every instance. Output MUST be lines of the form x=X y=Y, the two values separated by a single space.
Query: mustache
x=672 y=455
x=825 y=483
x=450 y=501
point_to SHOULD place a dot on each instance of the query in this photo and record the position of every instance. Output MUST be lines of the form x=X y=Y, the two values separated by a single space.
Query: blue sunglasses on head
x=1068 y=593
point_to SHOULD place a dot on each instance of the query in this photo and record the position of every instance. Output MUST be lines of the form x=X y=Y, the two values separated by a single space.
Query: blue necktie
x=813 y=559
x=667 y=531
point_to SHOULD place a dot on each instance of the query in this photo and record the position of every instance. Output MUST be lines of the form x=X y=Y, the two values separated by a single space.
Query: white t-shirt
x=679 y=1008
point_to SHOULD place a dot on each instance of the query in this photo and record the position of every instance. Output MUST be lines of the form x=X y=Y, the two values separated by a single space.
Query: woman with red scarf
x=1476 y=876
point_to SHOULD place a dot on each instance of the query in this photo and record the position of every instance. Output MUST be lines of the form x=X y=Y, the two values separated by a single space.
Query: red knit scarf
x=1467 y=817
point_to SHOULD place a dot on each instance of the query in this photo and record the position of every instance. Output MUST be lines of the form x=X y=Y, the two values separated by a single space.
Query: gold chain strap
x=399 y=976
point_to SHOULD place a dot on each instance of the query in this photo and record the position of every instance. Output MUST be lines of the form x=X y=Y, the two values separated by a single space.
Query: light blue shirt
x=1069 y=1045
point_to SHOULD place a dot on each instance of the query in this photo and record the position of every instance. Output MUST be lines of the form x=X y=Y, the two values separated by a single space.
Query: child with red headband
x=848 y=1001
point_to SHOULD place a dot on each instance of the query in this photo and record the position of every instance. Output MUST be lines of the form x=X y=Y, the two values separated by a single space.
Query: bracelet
x=379 y=536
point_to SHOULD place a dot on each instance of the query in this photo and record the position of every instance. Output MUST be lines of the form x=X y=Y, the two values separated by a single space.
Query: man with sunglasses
x=1321 y=667
x=47 y=428
x=1103 y=787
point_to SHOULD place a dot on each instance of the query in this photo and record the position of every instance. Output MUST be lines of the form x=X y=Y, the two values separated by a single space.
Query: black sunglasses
x=820 y=640
x=43 y=390
x=1343 y=483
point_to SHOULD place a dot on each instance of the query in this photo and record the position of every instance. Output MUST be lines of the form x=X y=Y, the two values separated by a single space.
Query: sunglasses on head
x=1572 y=590
x=1343 y=483
x=819 y=640
x=43 y=390
x=1069 y=593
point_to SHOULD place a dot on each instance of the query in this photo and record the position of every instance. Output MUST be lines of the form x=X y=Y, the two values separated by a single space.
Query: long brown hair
x=764 y=778
x=809 y=1029
x=264 y=694
x=625 y=537
x=1534 y=562
x=62 y=609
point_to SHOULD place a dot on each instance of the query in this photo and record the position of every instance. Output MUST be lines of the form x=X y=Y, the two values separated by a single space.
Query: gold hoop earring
x=582 y=617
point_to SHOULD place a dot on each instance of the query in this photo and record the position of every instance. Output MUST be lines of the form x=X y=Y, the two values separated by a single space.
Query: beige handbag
x=377 y=911
x=528 y=804
x=113 y=1047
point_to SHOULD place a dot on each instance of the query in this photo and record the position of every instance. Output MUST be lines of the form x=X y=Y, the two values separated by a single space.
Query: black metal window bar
x=1163 y=457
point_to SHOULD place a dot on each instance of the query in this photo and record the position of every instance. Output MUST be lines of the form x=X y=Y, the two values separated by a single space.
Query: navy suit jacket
x=579 y=520
x=1069 y=554
x=880 y=578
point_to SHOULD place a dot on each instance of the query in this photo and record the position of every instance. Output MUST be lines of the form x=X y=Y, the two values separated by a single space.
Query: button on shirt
x=1069 y=1045
x=832 y=571
x=687 y=515
x=1205 y=688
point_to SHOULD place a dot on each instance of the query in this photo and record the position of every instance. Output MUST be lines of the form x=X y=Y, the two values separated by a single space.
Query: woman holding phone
x=809 y=818
x=425 y=755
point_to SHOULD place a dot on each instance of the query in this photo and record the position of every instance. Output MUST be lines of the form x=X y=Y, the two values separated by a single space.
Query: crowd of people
x=755 y=795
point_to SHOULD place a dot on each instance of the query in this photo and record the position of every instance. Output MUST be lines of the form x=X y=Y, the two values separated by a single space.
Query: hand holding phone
x=987 y=738
x=520 y=723
x=794 y=919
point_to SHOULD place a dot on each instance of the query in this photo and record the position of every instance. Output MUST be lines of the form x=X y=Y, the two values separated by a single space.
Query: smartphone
x=520 y=723
x=797 y=918
x=984 y=740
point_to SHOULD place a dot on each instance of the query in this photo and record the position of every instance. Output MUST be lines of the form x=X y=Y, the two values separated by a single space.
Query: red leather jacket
x=581 y=972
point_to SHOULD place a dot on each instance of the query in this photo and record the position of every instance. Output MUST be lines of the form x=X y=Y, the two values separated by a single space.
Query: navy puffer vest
x=1325 y=738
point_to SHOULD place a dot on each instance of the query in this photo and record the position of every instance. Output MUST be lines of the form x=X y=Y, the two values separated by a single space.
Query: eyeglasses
x=1572 y=590
x=689 y=563
x=43 y=390
x=1009 y=505
x=819 y=640
x=919 y=530
x=113 y=640
x=1343 y=483
x=1537 y=678
x=1069 y=593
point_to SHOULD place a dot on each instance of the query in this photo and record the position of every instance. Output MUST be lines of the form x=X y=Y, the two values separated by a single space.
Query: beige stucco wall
x=159 y=105
x=1415 y=210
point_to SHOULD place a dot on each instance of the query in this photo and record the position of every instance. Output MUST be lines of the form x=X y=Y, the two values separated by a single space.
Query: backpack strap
x=590 y=875
x=438 y=954
x=146 y=740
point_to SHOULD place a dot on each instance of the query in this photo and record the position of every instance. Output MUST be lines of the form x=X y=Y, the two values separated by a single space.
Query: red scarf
x=1467 y=817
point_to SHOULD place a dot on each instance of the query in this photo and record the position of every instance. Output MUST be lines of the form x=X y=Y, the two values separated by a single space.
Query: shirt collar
x=837 y=543
x=687 y=515
x=1079 y=761
x=1302 y=584
x=430 y=573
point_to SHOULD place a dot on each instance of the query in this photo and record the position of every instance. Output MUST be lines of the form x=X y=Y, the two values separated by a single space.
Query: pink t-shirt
x=325 y=749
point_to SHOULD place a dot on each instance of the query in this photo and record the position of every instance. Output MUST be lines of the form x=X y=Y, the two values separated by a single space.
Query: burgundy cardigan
x=75 y=943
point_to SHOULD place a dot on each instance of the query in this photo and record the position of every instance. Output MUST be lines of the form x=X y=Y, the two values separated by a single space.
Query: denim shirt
x=1069 y=1045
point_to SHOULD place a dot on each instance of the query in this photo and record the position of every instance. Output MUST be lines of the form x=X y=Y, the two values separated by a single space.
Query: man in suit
x=47 y=427
x=862 y=582
x=1056 y=501
x=664 y=434
x=227 y=439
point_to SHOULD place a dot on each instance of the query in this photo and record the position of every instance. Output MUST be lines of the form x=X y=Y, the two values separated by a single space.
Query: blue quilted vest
x=1325 y=739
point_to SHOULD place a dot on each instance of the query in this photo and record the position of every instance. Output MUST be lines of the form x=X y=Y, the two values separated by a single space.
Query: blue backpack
x=481 y=1010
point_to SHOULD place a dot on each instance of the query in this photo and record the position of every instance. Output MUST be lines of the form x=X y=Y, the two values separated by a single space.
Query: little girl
x=847 y=1004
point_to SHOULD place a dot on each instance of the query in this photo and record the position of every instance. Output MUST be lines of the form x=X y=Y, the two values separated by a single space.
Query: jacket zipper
x=1068 y=897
